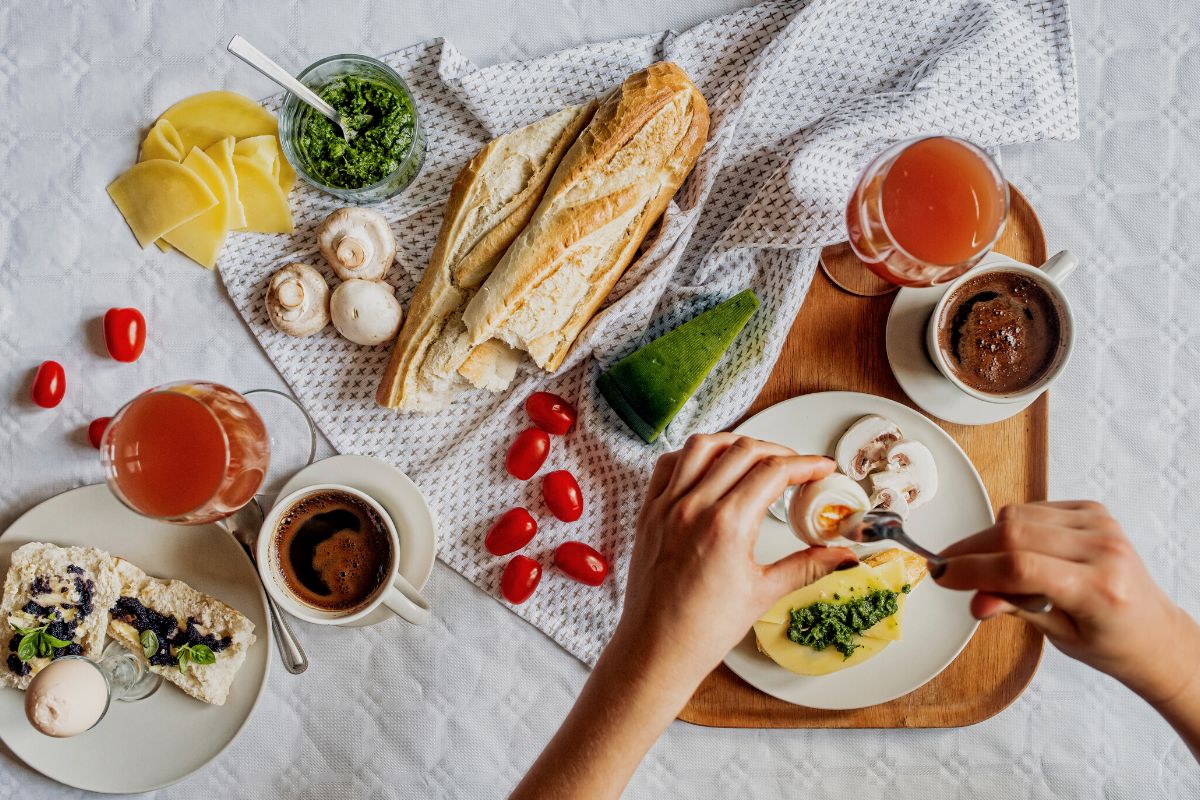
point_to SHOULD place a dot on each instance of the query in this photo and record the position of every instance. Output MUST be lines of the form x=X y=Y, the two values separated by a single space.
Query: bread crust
x=610 y=189
x=459 y=265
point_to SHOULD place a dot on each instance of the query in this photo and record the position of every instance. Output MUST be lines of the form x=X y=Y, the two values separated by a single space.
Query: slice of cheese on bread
x=194 y=615
x=69 y=589
x=891 y=569
x=490 y=202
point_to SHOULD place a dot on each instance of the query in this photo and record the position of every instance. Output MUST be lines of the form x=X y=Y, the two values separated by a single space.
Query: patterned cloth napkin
x=801 y=96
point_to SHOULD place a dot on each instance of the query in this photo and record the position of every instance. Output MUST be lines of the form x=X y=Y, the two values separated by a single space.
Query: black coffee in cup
x=1000 y=332
x=334 y=551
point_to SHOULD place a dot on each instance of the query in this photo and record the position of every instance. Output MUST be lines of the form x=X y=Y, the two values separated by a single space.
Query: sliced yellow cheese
x=162 y=245
x=162 y=142
x=266 y=152
x=228 y=112
x=157 y=196
x=771 y=629
x=287 y=175
x=264 y=202
x=222 y=154
x=201 y=237
x=200 y=136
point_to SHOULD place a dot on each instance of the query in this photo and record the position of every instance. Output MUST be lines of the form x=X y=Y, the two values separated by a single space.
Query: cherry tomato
x=562 y=494
x=49 y=384
x=581 y=562
x=520 y=578
x=515 y=529
x=96 y=430
x=550 y=412
x=124 y=333
x=527 y=454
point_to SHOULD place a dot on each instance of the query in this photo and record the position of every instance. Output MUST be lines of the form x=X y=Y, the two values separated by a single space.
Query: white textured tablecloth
x=460 y=707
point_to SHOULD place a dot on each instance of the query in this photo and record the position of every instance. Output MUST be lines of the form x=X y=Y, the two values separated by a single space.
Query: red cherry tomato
x=515 y=529
x=124 y=333
x=581 y=562
x=527 y=454
x=49 y=384
x=520 y=578
x=96 y=430
x=562 y=494
x=550 y=412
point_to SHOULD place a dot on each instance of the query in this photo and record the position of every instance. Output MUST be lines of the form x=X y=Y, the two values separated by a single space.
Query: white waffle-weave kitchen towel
x=801 y=96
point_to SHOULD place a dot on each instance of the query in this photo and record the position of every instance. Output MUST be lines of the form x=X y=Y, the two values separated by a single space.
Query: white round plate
x=403 y=501
x=937 y=622
x=917 y=375
x=154 y=742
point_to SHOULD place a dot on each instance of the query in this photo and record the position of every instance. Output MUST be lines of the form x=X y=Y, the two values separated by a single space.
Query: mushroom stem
x=350 y=251
x=290 y=294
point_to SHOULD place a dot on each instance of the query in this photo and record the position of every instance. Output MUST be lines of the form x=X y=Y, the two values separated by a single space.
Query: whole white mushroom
x=357 y=243
x=298 y=300
x=365 y=312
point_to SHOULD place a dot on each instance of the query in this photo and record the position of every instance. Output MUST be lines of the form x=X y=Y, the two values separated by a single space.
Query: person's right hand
x=1108 y=612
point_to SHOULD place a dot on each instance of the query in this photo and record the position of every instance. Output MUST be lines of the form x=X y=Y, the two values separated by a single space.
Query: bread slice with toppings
x=181 y=619
x=65 y=592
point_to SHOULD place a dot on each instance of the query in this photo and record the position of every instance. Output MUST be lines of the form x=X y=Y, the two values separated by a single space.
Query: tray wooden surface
x=1011 y=456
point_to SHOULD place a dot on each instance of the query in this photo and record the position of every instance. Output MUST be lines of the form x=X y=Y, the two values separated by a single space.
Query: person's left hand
x=694 y=587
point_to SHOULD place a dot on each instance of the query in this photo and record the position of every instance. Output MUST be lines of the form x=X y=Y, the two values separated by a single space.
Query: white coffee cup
x=1049 y=277
x=398 y=595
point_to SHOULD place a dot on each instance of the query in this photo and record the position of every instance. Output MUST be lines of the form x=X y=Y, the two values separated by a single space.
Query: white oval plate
x=399 y=496
x=154 y=742
x=937 y=622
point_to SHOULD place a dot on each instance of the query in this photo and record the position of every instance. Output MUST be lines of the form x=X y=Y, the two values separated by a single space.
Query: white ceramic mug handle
x=1060 y=266
x=404 y=599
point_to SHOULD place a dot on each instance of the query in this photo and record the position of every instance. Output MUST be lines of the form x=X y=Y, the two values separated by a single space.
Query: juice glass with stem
x=924 y=211
x=194 y=452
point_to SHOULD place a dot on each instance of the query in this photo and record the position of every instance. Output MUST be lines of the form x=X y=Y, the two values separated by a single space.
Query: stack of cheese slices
x=539 y=227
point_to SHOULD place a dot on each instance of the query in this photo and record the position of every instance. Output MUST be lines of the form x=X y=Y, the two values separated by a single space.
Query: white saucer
x=155 y=742
x=937 y=622
x=396 y=492
x=917 y=375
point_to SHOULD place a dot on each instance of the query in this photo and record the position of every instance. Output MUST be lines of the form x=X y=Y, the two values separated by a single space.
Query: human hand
x=1108 y=612
x=694 y=587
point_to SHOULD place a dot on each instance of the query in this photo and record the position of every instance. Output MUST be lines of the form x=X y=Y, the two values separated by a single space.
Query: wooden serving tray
x=1011 y=456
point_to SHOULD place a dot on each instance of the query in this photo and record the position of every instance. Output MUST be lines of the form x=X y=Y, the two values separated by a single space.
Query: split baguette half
x=491 y=201
x=610 y=189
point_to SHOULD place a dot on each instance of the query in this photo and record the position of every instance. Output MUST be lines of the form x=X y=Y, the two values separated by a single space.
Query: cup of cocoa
x=1003 y=332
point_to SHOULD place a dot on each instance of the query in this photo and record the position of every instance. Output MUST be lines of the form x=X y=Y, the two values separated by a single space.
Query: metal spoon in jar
x=257 y=59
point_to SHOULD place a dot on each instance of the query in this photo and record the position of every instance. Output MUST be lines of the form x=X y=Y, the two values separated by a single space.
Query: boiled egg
x=824 y=512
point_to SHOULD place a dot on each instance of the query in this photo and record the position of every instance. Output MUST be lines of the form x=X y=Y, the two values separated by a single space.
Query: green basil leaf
x=25 y=631
x=28 y=647
x=54 y=640
x=203 y=654
x=183 y=654
x=43 y=645
x=149 y=640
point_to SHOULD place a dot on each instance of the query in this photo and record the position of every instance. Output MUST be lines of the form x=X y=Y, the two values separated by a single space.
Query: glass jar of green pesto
x=388 y=148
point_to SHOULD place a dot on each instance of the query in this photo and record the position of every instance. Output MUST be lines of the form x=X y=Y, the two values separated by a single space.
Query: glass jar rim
x=893 y=152
x=290 y=102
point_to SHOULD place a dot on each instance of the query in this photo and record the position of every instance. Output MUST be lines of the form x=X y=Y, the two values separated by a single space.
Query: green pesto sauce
x=823 y=625
x=384 y=121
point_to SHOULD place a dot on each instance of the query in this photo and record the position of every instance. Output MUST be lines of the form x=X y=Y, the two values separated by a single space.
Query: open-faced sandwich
x=843 y=619
x=56 y=602
x=194 y=641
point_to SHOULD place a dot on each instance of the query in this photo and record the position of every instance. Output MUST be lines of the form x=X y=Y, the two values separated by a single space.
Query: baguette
x=190 y=616
x=68 y=589
x=612 y=186
x=491 y=201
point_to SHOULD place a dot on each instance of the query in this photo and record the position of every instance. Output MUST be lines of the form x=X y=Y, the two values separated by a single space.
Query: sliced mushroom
x=822 y=512
x=365 y=312
x=887 y=498
x=357 y=243
x=911 y=473
x=298 y=300
x=863 y=447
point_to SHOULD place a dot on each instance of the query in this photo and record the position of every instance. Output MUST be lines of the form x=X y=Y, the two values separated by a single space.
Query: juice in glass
x=189 y=452
x=926 y=210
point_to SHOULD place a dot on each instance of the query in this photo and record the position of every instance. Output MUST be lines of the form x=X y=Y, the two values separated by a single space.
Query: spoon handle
x=294 y=659
x=261 y=62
